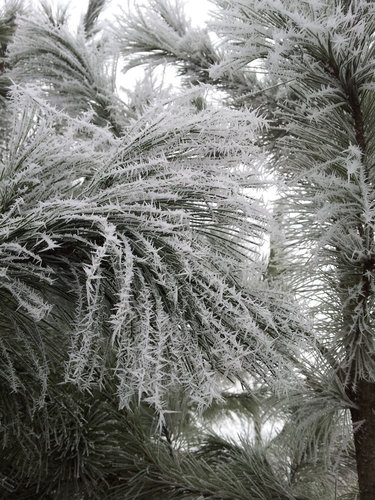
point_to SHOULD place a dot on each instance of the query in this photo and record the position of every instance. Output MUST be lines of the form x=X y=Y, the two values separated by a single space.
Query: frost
x=145 y=246
x=353 y=162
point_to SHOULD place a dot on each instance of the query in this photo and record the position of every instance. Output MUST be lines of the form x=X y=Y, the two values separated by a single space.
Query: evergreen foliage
x=141 y=273
x=126 y=240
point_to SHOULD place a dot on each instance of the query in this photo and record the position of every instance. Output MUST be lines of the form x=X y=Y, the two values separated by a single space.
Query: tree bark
x=363 y=419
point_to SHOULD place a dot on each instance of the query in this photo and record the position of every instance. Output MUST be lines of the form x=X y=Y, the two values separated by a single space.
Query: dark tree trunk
x=363 y=419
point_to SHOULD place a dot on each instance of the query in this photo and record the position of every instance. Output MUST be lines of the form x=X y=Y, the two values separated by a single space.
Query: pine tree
x=141 y=272
x=128 y=238
x=309 y=67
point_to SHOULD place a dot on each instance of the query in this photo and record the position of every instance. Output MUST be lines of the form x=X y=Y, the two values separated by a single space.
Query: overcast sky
x=197 y=10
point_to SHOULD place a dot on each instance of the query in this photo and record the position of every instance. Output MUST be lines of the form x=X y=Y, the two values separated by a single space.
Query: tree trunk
x=363 y=419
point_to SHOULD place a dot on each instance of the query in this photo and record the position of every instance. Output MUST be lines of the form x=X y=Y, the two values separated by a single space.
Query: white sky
x=196 y=10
